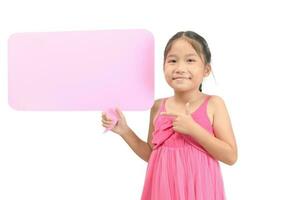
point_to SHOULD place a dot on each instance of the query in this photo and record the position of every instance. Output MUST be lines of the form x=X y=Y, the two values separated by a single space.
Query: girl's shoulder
x=216 y=107
x=155 y=109
x=157 y=103
x=215 y=101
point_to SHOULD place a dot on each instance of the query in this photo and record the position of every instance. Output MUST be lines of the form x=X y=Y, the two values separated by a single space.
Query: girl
x=189 y=132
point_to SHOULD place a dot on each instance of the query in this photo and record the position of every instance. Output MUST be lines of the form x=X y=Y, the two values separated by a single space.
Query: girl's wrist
x=125 y=132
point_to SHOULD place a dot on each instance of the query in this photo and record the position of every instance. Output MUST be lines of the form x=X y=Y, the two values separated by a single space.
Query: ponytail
x=200 y=87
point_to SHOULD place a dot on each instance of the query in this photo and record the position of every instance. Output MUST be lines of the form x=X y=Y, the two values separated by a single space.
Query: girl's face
x=183 y=68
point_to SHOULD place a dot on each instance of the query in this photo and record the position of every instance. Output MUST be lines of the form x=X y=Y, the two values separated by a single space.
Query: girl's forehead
x=182 y=48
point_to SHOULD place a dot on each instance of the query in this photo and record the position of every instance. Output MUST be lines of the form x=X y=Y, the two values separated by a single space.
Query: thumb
x=187 y=106
x=119 y=112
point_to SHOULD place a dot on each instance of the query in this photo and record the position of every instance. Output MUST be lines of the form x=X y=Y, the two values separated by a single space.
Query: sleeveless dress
x=179 y=168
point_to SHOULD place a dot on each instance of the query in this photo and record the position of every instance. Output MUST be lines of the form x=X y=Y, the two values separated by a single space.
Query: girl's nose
x=180 y=69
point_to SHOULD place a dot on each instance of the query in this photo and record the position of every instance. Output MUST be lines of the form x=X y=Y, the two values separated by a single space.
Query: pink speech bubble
x=81 y=70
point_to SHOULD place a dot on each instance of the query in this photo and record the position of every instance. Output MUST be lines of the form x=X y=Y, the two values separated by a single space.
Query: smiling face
x=184 y=69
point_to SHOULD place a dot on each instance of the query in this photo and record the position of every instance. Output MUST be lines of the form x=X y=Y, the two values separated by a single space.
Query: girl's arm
x=141 y=148
x=223 y=146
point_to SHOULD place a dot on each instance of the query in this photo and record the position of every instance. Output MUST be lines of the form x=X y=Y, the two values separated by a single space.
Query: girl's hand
x=183 y=123
x=121 y=127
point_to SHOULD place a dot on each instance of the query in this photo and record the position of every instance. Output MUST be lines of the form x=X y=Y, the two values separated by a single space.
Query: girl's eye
x=191 y=60
x=172 y=61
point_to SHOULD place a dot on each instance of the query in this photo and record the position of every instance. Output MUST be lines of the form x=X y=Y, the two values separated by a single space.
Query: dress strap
x=207 y=98
x=161 y=109
x=162 y=105
x=204 y=104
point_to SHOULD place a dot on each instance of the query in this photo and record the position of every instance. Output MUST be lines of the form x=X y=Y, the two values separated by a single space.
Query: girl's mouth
x=181 y=78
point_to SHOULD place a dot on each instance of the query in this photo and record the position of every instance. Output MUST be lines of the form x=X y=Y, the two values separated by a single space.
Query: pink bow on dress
x=162 y=132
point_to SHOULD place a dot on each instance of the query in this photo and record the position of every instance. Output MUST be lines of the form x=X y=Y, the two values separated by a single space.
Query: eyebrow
x=190 y=54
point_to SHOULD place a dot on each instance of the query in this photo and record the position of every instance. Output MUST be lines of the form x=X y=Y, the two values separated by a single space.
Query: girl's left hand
x=183 y=123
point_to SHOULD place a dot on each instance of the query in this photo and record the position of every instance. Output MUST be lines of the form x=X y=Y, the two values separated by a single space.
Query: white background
x=64 y=155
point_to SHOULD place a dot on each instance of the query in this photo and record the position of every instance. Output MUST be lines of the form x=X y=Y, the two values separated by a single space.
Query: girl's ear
x=207 y=70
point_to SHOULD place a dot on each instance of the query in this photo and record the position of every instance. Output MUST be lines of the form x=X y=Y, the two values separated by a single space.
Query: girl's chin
x=181 y=89
x=182 y=86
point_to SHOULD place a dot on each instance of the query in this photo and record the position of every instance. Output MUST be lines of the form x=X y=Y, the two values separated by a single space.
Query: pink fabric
x=179 y=168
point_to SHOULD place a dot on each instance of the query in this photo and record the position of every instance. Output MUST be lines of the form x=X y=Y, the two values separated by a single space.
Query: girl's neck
x=187 y=96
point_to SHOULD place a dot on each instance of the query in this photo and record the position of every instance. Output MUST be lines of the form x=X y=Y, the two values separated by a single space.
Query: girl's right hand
x=121 y=127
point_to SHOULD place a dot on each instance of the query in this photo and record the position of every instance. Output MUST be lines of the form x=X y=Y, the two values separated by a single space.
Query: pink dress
x=179 y=168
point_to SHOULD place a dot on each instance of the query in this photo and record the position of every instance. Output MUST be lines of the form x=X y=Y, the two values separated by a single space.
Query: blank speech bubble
x=81 y=70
